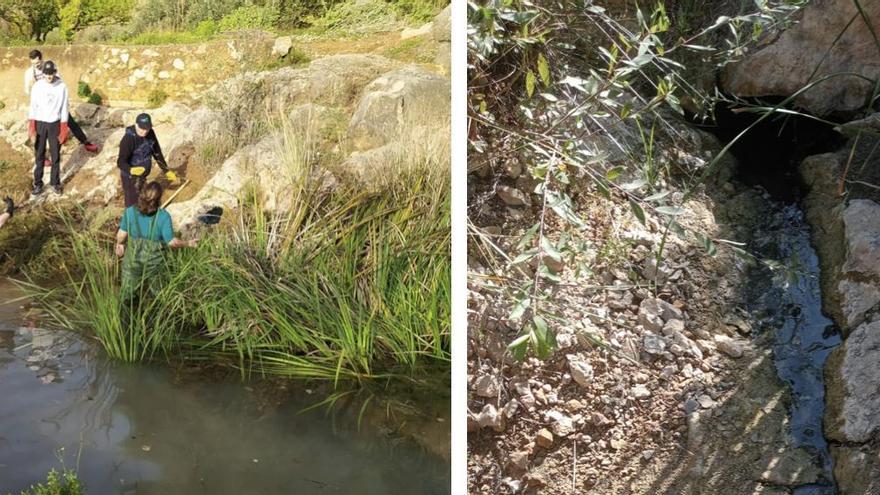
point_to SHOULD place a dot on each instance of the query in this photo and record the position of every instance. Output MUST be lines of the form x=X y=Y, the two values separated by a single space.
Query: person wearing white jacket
x=47 y=124
x=33 y=74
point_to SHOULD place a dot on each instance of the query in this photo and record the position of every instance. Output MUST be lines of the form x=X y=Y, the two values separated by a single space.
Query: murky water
x=136 y=430
x=791 y=305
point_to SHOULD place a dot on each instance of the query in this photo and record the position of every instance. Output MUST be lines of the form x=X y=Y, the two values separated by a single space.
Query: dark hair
x=149 y=198
x=35 y=54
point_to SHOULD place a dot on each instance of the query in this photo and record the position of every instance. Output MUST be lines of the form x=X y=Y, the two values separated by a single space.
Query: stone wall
x=126 y=75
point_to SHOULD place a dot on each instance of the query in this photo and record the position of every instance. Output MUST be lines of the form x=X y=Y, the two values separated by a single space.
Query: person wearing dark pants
x=47 y=125
x=138 y=148
x=35 y=73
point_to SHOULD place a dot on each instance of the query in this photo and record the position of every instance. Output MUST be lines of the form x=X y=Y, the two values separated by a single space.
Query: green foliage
x=64 y=483
x=30 y=18
x=359 y=17
x=249 y=17
x=95 y=99
x=70 y=17
x=83 y=90
x=156 y=98
x=206 y=28
x=162 y=38
x=419 y=11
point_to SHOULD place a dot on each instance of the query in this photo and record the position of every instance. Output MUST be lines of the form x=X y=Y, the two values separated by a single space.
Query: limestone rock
x=580 y=369
x=856 y=470
x=487 y=386
x=512 y=196
x=441 y=29
x=788 y=63
x=416 y=32
x=178 y=64
x=732 y=347
x=282 y=46
x=562 y=425
x=489 y=417
x=399 y=99
x=792 y=467
x=853 y=384
x=544 y=438
x=856 y=298
x=862 y=230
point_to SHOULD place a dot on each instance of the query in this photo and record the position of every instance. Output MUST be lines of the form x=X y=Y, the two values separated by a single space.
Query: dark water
x=136 y=430
x=789 y=301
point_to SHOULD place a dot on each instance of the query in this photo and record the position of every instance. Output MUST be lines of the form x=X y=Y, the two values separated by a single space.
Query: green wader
x=142 y=260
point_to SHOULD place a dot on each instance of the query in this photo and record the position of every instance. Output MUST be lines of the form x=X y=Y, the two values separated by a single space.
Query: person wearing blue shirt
x=144 y=232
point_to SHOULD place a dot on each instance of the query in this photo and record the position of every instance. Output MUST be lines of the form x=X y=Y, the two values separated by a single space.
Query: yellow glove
x=171 y=176
x=137 y=171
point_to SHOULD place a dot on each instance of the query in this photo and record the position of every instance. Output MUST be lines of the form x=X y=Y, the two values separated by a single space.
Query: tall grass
x=341 y=284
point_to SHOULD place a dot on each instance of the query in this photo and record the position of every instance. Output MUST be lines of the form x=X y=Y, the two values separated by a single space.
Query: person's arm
x=64 y=104
x=157 y=153
x=121 y=238
x=167 y=233
x=126 y=149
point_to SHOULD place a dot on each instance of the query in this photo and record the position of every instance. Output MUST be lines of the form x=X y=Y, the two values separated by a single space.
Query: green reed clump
x=346 y=285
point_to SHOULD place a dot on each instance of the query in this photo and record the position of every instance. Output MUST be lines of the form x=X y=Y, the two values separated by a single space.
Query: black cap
x=49 y=67
x=143 y=121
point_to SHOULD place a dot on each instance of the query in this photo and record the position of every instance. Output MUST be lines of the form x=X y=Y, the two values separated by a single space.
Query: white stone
x=178 y=64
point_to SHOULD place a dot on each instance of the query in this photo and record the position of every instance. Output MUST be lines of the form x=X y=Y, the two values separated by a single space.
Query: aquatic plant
x=64 y=483
x=346 y=284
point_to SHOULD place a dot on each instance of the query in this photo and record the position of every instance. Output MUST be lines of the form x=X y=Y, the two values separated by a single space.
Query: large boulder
x=409 y=96
x=853 y=387
x=809 y=51
x=441 y=31
x=856 y=469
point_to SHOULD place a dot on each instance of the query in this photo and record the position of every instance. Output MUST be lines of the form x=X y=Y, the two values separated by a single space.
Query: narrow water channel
x=140 y=430
x=787 y=301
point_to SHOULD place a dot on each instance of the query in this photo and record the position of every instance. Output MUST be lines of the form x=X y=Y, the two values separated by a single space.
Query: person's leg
x=55 y=149
x=76 y=130
x=128 y=189
x=39 y=155
x=3 y=218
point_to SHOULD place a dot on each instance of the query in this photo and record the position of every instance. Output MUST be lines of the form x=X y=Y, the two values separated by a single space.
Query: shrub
x=206 y=28
x=95 y=99
x=83 y=90
x=98 y=33
x=419 y=11
x=156 y=98
x=358 y=17
x=249 y=17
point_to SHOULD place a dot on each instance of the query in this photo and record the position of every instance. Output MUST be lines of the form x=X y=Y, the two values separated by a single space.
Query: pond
x=146 y=430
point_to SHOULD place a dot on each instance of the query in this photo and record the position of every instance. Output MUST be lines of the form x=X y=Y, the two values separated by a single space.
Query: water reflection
x=140 y=430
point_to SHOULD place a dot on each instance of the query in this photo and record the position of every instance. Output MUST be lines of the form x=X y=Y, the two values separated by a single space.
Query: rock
x=861 y=221
x=809 y=51
x=491 y=418
x=178 y=64
x=400 y=99
x=512 y=196
x=732 y=347
x=164 y=74
x=640 y=392
x=659 y=307
x=580 y=369
x=853 y=395
x=416 y=32
x=706 y=402
x=562 y=425
x=673 y=326
x=282 y=46
x=520 y=459
x=856 y=469
x=123 y=57
x=487 y=386
x=441 y=28
x=792 y=467
x=544 y=438
x=856 y=299
x=654 y=344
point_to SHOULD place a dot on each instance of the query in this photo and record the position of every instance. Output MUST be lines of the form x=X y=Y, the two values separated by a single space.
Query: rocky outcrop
x=405 y=97
x=809 y=51
x=853 y=379
x=441 y=31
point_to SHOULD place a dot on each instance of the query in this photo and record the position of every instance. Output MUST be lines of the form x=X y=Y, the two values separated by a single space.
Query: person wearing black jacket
x=138 y=148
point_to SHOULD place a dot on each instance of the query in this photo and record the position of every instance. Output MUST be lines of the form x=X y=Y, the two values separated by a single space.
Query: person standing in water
x=47 y=125
x=33 y=74
x=137 y=149
x=144 y=233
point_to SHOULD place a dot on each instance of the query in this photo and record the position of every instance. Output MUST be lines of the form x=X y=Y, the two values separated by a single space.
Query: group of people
x=145 y=229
